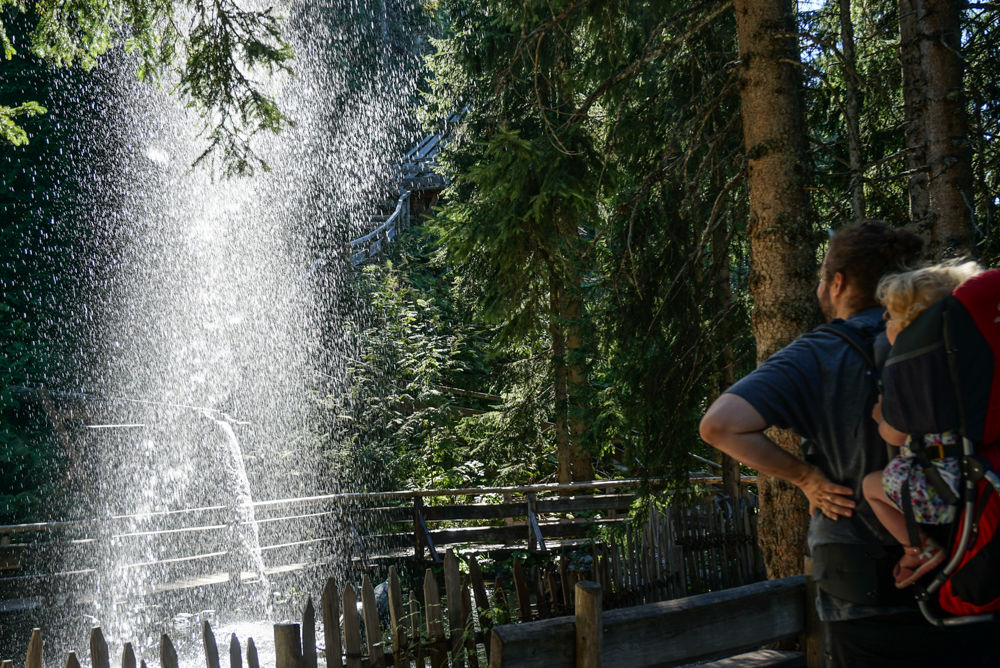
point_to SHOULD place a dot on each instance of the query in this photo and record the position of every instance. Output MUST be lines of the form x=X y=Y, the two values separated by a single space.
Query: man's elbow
x=714 y=425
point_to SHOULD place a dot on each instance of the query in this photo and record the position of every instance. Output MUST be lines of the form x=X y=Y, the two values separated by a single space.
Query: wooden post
x=373 y=632
x=252 y=660
x=72 y=661
x=287 y=646
x=128 y=656
x=352 y=630
x=418 y=545
x=168 y=655
x=435 y=627
x=418 y=647
x=34 y=659
x=397 y=615
x=482 y=599
x=523 y=597
x=235 y=653
x=331 y=624
x=99 y=656
x=589 y=625
x=309 y=659
x=211 y=649
x=7 y=664
x=453 y=590
x=814 y=631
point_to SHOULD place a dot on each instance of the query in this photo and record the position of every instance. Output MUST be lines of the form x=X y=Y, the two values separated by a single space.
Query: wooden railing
x=369 y=245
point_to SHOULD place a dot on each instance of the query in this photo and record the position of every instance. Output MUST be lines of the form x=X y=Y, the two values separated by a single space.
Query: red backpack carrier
x=967 y=588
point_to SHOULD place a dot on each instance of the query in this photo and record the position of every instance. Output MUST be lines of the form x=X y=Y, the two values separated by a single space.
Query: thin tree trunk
x=949 y=152
x=564 y=455
x=913 y=116
x=782 y=246
x=851 y=107
x=582 y=467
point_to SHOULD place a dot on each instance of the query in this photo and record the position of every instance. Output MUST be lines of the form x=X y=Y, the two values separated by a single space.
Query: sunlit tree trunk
x=949 y=151
x=581 y=461
x=851 y=108
x=782 y=246
x=913 y=115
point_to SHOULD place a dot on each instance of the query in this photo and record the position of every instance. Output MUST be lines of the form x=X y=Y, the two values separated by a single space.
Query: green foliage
x=218 y=50
x=11 y=132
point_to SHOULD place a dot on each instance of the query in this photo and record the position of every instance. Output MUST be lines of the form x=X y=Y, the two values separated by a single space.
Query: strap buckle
x=933 y=448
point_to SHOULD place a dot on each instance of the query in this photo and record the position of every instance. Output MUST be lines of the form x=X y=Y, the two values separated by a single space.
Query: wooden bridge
x=418 y=182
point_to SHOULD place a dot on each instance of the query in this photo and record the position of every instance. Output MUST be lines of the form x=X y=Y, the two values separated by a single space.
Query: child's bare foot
x=918 y=561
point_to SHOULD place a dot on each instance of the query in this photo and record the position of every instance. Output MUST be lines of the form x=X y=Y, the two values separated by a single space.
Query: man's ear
x=838 y=284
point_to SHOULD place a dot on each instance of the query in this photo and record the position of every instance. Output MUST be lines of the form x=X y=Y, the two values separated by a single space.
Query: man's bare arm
x=735 y=427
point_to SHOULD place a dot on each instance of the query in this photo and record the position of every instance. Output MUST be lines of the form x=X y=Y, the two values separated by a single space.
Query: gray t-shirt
x=822 y=389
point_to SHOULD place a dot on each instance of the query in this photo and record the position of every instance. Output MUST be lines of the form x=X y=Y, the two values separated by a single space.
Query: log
x=287 y=646
x=211 y=649
x=309 y=658
x=99 y=656
x=252 y=660
x=72 y=661
x=235 y=652
x=373 y=632
x=435 y=626
x=34 y=659
x=589 y=625
x=453 y=590
x=331 y=624
x=397 y=615
x=352 y=630
x=128 y=656
x=168 y=655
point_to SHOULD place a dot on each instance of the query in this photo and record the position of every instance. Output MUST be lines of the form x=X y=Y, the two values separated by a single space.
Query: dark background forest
x=620 y=240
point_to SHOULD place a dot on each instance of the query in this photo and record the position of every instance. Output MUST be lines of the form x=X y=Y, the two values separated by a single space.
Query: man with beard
x=822 y=388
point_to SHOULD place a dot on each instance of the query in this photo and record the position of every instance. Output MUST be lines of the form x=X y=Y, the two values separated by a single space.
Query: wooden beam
x=670 y=633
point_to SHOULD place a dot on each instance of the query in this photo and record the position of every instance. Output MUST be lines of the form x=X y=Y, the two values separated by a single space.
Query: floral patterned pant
x=928 y=506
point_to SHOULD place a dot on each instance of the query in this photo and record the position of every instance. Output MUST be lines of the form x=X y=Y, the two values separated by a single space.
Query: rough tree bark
x=564 y=456
x=851 y=109
x=946 y=128
x=782 y=245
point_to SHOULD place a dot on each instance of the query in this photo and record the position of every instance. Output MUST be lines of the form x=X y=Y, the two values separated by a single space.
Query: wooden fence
x=455 y=632
x=680 y=551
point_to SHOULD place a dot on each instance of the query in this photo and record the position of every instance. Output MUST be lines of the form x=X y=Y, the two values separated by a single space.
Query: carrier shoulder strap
x=862 y=341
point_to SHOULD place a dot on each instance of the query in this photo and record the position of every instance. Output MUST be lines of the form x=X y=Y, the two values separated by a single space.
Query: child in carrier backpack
x=905 y=297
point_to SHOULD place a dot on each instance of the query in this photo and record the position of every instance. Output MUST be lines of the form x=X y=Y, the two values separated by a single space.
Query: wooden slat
x=453 y=590
x=715 y=624
x=331 y=624
x=99 y=656
x=479 y=589
x=253 y=661
x=435 y=627
x=211 y=648
x=397 y=615
x=34 y=658
x=352 y=629
x=128 y=656
x=235 y=652
x=469 y=629
x=309 y=655
x=168 y=655
x=484 y=511
x=418 y=647
x=373 y=631
x=72 y=661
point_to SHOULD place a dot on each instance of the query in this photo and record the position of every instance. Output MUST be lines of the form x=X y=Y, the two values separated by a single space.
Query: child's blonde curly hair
x=908 y=294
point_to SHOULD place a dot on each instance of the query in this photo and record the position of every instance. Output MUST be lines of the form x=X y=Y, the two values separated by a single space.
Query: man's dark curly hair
x=867 y=250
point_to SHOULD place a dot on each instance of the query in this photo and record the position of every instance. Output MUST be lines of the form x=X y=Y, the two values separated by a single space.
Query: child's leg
x=890 y=516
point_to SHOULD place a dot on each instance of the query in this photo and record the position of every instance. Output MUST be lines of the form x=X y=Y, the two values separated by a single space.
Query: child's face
x=892 y=327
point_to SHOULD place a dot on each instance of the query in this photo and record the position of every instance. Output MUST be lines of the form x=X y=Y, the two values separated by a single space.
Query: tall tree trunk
x=582 y=467
x=913 y=115
x=564 y=450
x=853 y=116
x=949 y=150
x=782 y=247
